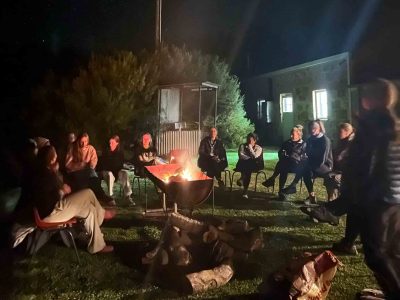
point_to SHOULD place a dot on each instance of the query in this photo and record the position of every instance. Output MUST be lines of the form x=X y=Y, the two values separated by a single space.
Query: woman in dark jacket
x=212 y=156
x=292 y=156
x=319 y=162
x=340 y=160
x=250 y=160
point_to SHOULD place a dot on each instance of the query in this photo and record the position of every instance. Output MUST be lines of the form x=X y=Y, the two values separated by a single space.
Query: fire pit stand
x=186 y=189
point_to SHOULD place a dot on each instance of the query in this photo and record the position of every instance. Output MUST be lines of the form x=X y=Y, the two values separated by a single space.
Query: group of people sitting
x=306 y=159
x=70 y=187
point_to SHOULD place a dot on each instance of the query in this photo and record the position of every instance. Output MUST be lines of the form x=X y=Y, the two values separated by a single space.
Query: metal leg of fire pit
x=164 y=203
x=213 y=199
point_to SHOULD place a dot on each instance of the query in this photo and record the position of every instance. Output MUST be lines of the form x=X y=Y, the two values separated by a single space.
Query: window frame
x=317 y=102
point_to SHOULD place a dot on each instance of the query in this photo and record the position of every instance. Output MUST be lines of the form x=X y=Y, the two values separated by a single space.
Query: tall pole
x=158 y=24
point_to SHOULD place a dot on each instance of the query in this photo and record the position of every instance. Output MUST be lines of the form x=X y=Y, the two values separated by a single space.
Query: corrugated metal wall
x=179 y=139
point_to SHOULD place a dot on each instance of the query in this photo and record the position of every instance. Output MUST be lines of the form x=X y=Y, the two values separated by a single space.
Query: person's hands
x=66 y=189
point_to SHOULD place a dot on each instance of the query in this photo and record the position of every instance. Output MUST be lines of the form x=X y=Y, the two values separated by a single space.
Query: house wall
x=301 y=82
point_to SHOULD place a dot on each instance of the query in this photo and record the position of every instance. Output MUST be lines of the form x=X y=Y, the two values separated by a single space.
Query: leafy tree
x=179 y=65
x=117 y=93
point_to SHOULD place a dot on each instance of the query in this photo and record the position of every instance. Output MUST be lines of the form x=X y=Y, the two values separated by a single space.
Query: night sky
x=253 y=36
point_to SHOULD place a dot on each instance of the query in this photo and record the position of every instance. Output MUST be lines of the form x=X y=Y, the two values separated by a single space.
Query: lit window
x=269 y=111
x=320 y=104
x=287 y=103
x=260 y=109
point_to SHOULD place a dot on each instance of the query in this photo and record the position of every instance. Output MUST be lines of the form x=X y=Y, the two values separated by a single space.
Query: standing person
x=374 y=182
x=55 y=202
x=292 y=156
x=250 y=160
x=80 y=163
x=212 y=156
x=111 y=167
x=145 y=154
x=340 y=154
x=319 y=162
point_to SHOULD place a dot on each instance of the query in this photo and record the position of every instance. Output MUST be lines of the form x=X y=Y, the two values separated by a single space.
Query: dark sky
x=254 y=36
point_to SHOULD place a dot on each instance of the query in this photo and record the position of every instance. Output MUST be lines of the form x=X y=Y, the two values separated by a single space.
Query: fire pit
x=181 y=185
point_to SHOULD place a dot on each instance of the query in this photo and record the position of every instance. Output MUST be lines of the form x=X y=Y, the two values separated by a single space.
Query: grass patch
x=54 y=274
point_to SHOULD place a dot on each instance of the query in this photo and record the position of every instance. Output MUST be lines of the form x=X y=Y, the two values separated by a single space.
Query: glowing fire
x=186 y=174
x=181 y=175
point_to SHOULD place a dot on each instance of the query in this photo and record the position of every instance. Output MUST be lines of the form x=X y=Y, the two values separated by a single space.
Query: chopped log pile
x=207 y=252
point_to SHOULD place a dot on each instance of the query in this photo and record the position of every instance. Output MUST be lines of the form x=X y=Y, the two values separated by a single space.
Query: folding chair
x=55 y=227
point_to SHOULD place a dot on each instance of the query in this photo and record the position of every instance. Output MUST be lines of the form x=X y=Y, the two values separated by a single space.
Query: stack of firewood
x=214 y=249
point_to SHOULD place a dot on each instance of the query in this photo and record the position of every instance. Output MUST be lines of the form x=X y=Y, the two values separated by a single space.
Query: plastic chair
x=57 y=227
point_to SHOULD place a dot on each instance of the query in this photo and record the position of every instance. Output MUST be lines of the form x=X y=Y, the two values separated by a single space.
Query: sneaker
x=345 y=248
x=269 y=182
x=130 y=200
x=291 y=189
x=371 y=294
x=245 y=196
x=282 y=196
x=321 y=214
x=239 y=182
x=310 y=200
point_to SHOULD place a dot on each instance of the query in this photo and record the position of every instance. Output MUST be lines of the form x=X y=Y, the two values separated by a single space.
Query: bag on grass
x=305 y=278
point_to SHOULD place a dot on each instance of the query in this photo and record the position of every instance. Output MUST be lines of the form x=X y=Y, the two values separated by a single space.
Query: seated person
x=292 y=156
x=80 y=164
x=212 y=156
x=111 y=166
x=340 y=154
x=64 y=148
x=250 y=160
x=145 y=154
x=319 y=162
x=55 y=202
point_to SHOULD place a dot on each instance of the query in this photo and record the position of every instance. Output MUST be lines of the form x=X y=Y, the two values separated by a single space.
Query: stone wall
x=301 y=82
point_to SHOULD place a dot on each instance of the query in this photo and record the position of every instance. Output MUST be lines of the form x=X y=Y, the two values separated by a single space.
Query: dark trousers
x=283 y=168
x=380 y=235
x=340 y=207
x=213 y=169
x=306 y=172
x=86 y=178
x=246 y=176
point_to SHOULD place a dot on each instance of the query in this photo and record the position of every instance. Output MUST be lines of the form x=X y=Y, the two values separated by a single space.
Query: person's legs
x=109 y=178
x=352 y=230
x=332 y=184
x=123 y=178
x=246 y=176
x=380 y=235
x=84 y=205
x=300 y=169
x=271 y=180
x=282 y=179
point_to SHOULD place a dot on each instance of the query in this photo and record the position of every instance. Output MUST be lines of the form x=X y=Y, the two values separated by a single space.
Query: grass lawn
x=54 y=274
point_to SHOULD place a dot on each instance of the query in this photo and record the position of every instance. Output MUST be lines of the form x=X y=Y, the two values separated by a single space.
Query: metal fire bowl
x=186 y=193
